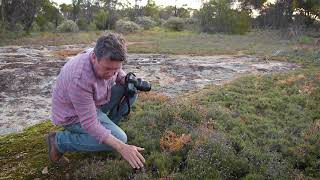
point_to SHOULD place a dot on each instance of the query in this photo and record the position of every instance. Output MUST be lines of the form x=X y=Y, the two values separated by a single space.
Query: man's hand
x=131 y=154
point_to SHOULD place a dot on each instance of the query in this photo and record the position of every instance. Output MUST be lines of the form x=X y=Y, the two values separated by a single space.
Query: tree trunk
x=2 y=11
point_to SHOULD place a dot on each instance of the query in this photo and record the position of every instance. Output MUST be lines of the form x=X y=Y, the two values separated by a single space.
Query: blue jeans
x=75 y=138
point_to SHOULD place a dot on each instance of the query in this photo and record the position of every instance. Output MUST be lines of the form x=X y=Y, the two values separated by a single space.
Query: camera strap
x=125 y=97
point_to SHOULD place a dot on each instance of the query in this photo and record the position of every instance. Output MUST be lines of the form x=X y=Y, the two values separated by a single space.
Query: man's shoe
x=53 y=153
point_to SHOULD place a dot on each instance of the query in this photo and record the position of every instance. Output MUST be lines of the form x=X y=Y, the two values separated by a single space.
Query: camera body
x=134 y=84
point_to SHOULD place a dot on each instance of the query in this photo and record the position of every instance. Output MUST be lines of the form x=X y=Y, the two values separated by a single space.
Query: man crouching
x=85 y=103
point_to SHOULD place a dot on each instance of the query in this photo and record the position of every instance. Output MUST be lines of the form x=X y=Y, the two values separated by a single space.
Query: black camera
x=134 y=84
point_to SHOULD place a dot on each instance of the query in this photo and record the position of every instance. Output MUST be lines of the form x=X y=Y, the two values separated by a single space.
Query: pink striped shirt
x=78 y=92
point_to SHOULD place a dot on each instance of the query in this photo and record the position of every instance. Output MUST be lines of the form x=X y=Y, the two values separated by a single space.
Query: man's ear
x=93 y=57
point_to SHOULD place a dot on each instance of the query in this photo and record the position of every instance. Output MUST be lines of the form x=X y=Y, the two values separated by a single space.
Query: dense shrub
x=68 y=26
x=219 y=17
x=18 y=28
x=215 y=159
x=175 y=24
x=35 y=27
x=91 y=27
x=48 y=27
x=145 y=22
x=192 y=24
x=100 y=19
x=84 y=26
x=127 y=27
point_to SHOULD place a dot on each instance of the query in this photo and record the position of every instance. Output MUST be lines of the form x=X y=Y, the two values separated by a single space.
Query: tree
x=66 y=10
x=252 y=4
x=75 y=9
x=48 y=12
x=167 y=12
x=100 y=19
x=110 y=5
x=217 y=16
x=2 y=10
x=22 y=12
x=137 y=8
x=309 y=9
x=183 y=12
x=151 y=9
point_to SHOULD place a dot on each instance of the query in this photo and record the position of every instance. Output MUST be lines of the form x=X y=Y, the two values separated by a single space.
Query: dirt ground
x=27 y=74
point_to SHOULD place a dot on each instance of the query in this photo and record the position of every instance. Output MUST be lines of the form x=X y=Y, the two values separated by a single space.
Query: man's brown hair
x=111 y=46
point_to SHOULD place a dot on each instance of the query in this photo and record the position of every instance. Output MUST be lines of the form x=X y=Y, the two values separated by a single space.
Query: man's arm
x=129 y=152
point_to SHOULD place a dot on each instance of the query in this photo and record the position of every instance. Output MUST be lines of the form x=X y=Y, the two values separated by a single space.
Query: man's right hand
x=129 y=152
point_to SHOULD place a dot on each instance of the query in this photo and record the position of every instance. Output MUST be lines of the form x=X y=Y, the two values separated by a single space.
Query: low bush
x=48 y=27
x=126 y=27
x=175 y=24
x=145 y=22
x=68 y=26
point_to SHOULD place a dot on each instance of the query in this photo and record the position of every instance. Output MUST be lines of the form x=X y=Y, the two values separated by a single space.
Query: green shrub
x=82 y=24
x=127 y=27
x=175 y=24
x=213 y=160
x=217 y=16
x=145 y=22
x=160 y=164
x=68 y=26
x=91 y=27
x=117 y=169
x=192 y=24
x=35 y=27
x=48 y=27
x=100 y=19
x=18 y=28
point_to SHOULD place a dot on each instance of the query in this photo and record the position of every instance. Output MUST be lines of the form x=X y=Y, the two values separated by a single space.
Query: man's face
x=105 y=68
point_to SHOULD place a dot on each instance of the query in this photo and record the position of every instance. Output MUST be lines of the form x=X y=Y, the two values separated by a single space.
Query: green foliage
x=217 y=16
x=82 y=24
x=91 y=27
x=151 y=9
x=192 y=24
x=100 y=19
x=48 y=27
x=68 y=26
x=18 y=28
x=305 y=40
x=160 y=164
x=175 y=24
x=35 y=27
x=215 y=160
x=311 y=10
x=145 y=22
x=117 y=169
x=183 y=12
x=126 y=27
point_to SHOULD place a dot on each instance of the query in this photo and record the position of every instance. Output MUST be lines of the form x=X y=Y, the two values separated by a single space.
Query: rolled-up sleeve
x=81 y=95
